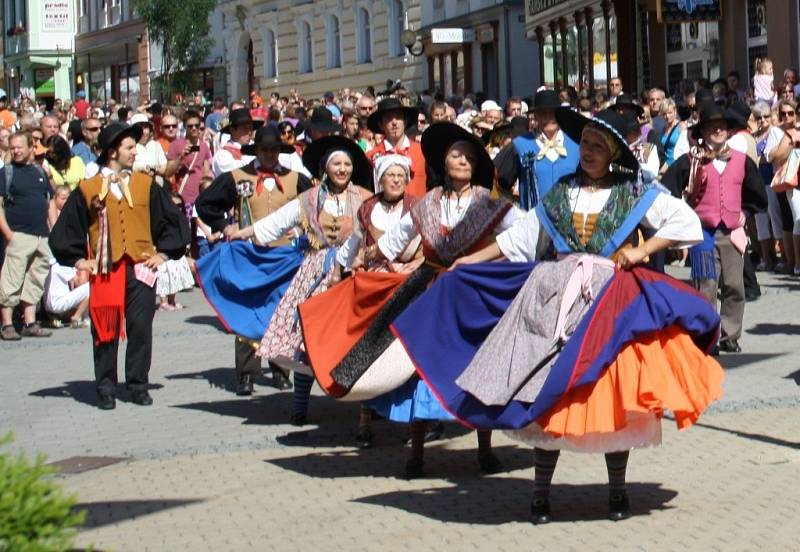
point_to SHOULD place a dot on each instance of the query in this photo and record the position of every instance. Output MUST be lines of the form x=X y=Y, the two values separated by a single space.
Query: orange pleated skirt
x=658 y=372
x=335 y=320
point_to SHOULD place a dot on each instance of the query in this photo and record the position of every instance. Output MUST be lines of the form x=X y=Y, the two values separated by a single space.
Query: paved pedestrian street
x=203 y=469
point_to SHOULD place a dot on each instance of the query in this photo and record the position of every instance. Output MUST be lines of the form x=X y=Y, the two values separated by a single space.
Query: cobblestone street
x=205 y=470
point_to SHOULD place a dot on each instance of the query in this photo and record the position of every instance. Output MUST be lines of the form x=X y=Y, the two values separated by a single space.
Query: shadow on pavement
x=390 y=461
x=497 y=500
x=794 y=376
x=99 y=514
x=85 y=391
x=772 y=329
x=753 y=436
x=219 y=378
x=206 y=320
x=81 y=391
x=739 y=360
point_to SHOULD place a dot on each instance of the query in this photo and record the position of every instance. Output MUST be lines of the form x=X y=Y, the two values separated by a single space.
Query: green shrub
x=35 y=514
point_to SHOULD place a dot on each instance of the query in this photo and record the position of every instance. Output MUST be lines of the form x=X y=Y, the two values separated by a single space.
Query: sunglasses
x=93 y=129
x=787 y=113
x=763 y=117
x=192 y=126
x=169 y=126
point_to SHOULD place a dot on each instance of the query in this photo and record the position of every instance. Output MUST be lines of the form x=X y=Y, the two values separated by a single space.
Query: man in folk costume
x=530 y=165
x=253 y=191
x=721 y=184
x=130 y=226
x=230 y=156
x=392 y=119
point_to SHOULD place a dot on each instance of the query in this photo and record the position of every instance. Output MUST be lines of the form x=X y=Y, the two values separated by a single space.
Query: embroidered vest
x=721 y=199
x=537 y=176
x=585 y=224
x=266 y=203
x=323 y=229
x=442 y=246
x=129 y=229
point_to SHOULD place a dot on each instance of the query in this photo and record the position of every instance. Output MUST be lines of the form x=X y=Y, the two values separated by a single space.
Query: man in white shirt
x=230 y=156
x=67 y=293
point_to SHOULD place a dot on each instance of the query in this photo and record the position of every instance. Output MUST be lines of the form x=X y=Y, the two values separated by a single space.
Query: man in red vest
x=720 y=183
x=391 y=120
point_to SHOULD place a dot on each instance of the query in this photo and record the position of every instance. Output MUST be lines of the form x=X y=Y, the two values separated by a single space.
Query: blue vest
x=537 y=176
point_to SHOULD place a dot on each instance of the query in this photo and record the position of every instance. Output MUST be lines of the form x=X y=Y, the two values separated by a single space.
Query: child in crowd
x=57 y=203
x=173 y=276
x=763 y=81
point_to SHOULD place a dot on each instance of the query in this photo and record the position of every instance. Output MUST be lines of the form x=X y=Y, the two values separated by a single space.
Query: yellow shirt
x=73 y=175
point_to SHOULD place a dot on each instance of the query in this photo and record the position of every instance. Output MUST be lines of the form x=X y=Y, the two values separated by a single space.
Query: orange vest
x=129 y=229
x=418 y=186
x=268 y=202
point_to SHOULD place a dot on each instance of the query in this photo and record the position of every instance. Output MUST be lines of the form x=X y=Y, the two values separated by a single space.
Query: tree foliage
x=181 y=28
x=35 y=514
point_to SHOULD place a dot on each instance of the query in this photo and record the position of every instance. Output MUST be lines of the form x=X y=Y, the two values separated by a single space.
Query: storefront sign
x=452 y=36
x=45 y=82
x=538 y=6
x=682 y=11
x=55 y=15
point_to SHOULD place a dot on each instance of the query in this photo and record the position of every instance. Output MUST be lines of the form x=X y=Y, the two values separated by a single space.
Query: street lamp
x=412 y=42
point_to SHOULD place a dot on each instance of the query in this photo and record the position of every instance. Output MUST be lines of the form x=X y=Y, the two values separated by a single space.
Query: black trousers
x=247 y=363
x=140 y=308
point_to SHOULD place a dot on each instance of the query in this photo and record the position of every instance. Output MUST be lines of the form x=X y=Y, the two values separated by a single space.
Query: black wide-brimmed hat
x=321 y=120
x=317 y=152
x=387 y=105
x=238 y=117
x=631 y=123
x=713 y=112
x=517 y=126
x=440 y=137
x=740 y=111
x=267 y=137
x=546 y=99
x=111 y=136
x=609 y=121
x=625 y=101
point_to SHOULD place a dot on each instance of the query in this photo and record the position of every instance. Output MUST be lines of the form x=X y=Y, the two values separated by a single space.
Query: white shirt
x=682 y=145
x=294 y=162
x=150 y=156
x=651 y=165
x=274 y=226
x=671 y=218
x=404 y=143
x=91 y=170
x=381 y=218
x=223 y=161
x=113 y=187
x=395 y=241
x=774 y=138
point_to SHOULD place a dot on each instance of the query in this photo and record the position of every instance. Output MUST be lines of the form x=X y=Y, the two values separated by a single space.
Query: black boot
x=540 y=511
x=618 y=506
x=245 y=387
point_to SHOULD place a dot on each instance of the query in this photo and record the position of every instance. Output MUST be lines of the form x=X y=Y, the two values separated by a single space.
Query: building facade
x=112 y=56
x=316 y=46
x=478 y=46
x=659 y=42
x=38 y=42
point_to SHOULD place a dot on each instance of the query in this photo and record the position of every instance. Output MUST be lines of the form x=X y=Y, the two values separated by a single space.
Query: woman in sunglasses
x=787 y=119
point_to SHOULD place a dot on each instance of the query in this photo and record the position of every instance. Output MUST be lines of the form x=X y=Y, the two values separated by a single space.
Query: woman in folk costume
x=453 y=219
x=325 y=215
x=584 y=353
x=338 y=328
x=131 y=226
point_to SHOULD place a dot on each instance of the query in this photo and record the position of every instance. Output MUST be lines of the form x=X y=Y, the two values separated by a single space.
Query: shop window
x=756 y=31
x=333 y=42
x=612 y=31
x=549 y=55
x=674 y=74
x=599 y=54
x=695 y=70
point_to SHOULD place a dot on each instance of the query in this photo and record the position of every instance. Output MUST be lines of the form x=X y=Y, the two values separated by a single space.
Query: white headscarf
x=383 y=163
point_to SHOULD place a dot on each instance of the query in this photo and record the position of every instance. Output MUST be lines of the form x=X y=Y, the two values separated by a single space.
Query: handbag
x=786 y=176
